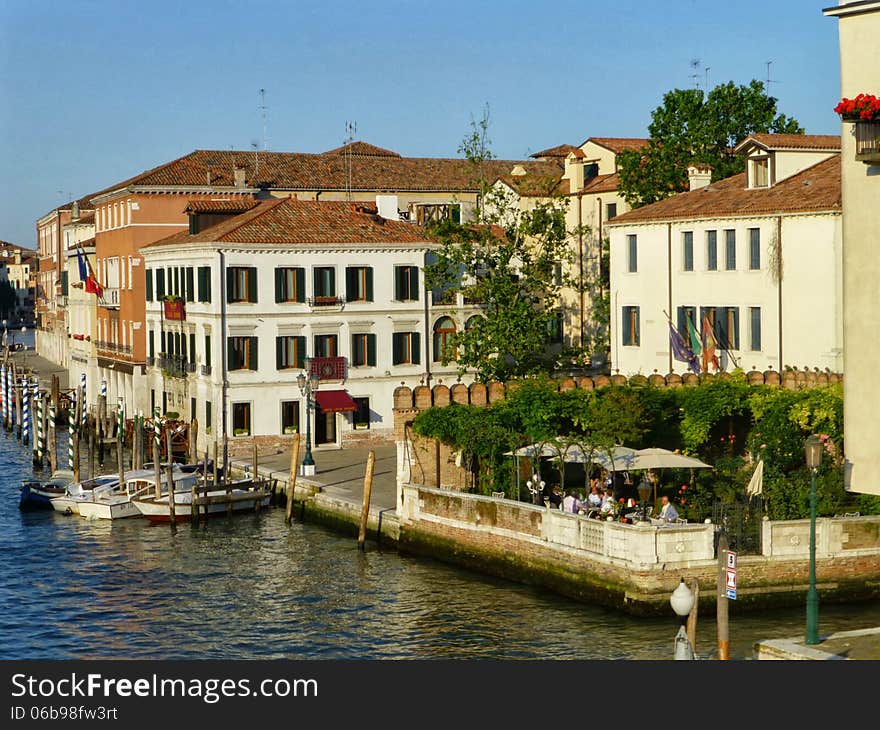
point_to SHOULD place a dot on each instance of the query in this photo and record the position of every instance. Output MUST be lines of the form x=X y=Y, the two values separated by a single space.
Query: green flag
x=694 y=338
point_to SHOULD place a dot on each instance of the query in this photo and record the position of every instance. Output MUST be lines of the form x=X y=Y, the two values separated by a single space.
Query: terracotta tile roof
x=560 y=151
x=362 y=148
x=287 y=220
x=303 y=171
x=815 y=189
x=537 y=186
x=240 y=204
x=618 y=144
x=794 y=141
x=603 y=183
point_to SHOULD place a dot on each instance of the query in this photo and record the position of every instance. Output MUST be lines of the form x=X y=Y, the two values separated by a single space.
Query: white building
x=858 y=27
x=757 y=254
x=261 y=291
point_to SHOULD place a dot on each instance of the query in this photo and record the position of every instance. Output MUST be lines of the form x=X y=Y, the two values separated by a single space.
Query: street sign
x=730 y=587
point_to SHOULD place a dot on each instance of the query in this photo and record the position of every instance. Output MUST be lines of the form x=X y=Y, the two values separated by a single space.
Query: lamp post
x=536 y=487
x=682 y=601
x=813 y=452
x=308 y=382
x=644 y=490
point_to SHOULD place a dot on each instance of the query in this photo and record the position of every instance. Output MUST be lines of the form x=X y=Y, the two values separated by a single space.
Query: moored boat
x=78 y=492
x=35 y=494
x=242 y=495
x=118 y=503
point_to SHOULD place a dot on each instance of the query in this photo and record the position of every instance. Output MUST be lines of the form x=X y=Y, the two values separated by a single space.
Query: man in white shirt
x=668 y=513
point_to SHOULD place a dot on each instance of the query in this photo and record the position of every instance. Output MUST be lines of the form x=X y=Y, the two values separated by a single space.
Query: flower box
x=862 y=108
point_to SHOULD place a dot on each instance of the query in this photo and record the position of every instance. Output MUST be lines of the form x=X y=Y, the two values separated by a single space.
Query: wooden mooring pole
x=170 y=479
x=721 y=589
x=291 y=480
x=692 y=618
x=365 y=509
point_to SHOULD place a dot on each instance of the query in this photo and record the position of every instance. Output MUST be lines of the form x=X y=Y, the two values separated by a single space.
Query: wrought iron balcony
x=326 y=301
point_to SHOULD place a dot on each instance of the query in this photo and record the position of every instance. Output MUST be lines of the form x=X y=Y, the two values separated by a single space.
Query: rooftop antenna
x=263 y=108
x=350 y=130
x=695 y=65
x=707 y=79
x=256 y=148
x=769 y=80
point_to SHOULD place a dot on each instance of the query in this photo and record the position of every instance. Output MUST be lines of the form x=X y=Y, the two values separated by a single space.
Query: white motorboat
x=115 y=504
x=242 y=495
x=80 y=492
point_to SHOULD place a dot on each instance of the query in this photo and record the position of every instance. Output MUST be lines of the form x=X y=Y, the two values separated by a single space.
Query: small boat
x=243 y=495
x=35 y=494
x=78 y=492
x=117 y=503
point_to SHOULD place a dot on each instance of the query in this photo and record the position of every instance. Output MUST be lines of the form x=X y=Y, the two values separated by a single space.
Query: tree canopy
x=692 y=127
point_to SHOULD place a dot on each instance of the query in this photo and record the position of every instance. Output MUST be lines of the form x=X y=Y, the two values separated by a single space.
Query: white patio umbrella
x=756 y=483
x=657 y=458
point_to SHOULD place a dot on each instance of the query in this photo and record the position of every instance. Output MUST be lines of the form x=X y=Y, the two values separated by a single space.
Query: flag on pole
x=681 y=350
x=710 y=345
x=694 y=339
x=83 y=266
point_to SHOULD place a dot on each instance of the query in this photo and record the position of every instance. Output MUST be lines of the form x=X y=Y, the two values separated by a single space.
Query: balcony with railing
x=109 y=298
x=206 y=369
x=113 y=348
x=868 y=142
x=174 y=366
x=328 y=368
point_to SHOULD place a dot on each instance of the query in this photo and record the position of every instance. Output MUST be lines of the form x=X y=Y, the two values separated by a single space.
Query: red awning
x=335 y=400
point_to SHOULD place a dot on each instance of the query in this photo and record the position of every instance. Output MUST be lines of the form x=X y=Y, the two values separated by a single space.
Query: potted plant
x=864 y=112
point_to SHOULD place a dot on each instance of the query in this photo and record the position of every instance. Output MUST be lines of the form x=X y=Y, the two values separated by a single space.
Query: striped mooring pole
x=25 y=410
x=3 y=393
x=82 y=383
x=71 y=426
x=39 y=436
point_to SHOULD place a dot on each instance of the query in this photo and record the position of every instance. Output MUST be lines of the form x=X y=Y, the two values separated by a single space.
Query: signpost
x=731 y=574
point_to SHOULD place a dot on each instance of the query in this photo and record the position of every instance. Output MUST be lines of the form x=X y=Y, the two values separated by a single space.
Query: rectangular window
x=176 y=271
x=555 y=329
x=324 y=280
x=289 y=416
x=363 y=350
x=359 y=284
x=632 y=254
x=192 y=348
x=192 y=409
x=208 y=350
x=241 y=353
x=687 y=253
x=290 y=352
x=361 y=417
x=241 y=419
x=610 y=210
x=712 y=250
x=685 y=314
x=241 y=284
x=754 y=248
x=761 y=173
x=754 y=328
x=405 y=348
x=726 y=327
x=149 y=273
x=160 y=284
x=325 y=345
x=290 y=284
x=406 y=283
x=190 y=284
x=730 y=249
x=204 y=292
x=630 y=326
x=151 y=341
x=208 y=423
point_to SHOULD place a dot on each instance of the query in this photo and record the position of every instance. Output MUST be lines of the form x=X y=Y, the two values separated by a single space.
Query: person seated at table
x=668 y=513
x=608 y=504
x=595 y=498
x=553 y=495
x=569 y=503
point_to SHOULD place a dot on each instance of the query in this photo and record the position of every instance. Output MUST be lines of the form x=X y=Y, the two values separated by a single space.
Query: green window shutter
x=230 y=284
x=279 y=352
x=160 y=284
x=149 y=285
x=253 y=352
x=351 y=283
x=416 y=347
x=64 y=284
x=369 y=278
x=201 y=284
x=300 y=351
x=230 y=355
x=332 y=291
x=300 y=284
x=189 y=284
x=413 y=282
x=399 y=273
x=626 y=334
x=152 y=342
x=395 y=348
x=183 y=346
x=252 y=285
x=204 y=283
x=207 y=349
x=279 y=285
x=371 y=350
x=192 y=347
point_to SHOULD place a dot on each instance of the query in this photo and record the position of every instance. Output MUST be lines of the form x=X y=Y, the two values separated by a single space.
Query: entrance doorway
x=325 y=426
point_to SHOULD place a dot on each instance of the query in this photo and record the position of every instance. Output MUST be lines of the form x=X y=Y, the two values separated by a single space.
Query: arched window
x=444 y=330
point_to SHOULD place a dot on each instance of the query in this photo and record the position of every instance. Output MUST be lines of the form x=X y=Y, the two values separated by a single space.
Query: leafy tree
x=693 y=127
x=512 y=263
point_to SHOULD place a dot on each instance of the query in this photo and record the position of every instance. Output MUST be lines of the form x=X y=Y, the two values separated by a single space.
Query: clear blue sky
x=95 y=91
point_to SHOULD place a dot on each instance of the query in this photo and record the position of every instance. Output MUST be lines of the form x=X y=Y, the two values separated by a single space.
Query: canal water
x=250 y=587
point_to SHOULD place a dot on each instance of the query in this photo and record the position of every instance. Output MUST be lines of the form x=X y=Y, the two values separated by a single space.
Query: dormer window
x=760 y=172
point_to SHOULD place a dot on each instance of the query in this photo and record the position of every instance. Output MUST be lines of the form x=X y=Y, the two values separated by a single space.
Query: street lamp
x=682 y=601
x=813 y=451
x=308 y=382
x=536 y=487
x=644 y=490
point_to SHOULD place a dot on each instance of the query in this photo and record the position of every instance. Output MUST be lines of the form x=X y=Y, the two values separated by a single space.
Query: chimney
x=699 y=176
x=238 y=176
x=74 y=211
